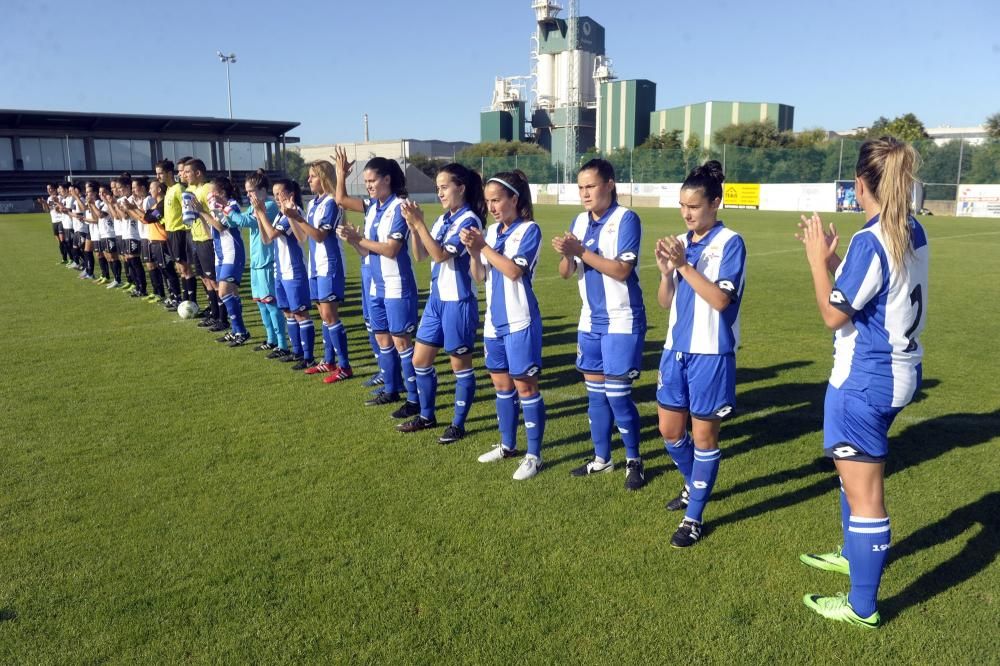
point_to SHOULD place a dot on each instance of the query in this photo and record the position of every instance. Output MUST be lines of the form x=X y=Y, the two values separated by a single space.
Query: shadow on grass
x=917 y=444
x=7 y=614
x=978 y=553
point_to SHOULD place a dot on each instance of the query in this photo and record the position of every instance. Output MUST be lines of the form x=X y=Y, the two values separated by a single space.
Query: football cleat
x=320 y=367
x=375 y=380
x=838 y=608
x=498 y=452
x=407 y=410
x=279 y=354
x=834 y=561
x=239 y=339
x=383 y=398
x=452 y=433
x=304 y=364
x=338 y=376
x=635 y=475
x=416 y=425
x=592 y=466
x=687 y=534
x=528 y=468
x=265 y=346
x=681 y=501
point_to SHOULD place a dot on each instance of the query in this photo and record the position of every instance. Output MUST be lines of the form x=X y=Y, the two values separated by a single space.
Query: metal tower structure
x=573 y=97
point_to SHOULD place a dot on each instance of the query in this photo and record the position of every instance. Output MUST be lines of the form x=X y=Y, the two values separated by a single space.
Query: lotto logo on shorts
x=411 y=328
x=659 y=380
x=579 y=351
x=462 y=350
x=532 y=371
x=845 y=451
x=633 y=373
x=725 y=411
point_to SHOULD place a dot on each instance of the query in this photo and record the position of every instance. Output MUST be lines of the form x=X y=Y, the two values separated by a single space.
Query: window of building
x=31 y=153
x=6 y=154
x=122 y=155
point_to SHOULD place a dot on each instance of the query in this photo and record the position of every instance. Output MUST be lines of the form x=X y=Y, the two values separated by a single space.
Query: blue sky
x=425 y=69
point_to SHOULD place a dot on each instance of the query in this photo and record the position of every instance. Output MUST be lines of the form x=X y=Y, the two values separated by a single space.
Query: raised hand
x=472 y=238
x=412 y=213
x=341 y=163
x=567 y=245
x=831 y=236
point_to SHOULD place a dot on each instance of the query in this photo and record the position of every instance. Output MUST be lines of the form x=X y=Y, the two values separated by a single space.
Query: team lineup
x=156 y=239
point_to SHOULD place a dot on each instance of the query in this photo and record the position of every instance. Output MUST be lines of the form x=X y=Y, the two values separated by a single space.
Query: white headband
x=505 y=184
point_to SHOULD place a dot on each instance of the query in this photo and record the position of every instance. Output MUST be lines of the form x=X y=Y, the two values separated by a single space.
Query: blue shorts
x=518 y=354
x=327 y=288
x=449 y=324
x=229 y=273
x=292 y=295
x=262 y=284
x=397 y=316
x=702 y=384
x=614 y=355
x=854 y=428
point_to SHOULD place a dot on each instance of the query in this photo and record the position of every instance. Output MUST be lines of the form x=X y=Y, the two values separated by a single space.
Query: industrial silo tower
x=566 y=53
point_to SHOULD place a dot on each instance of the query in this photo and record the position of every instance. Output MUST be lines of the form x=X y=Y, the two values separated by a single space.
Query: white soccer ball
x=187 y=310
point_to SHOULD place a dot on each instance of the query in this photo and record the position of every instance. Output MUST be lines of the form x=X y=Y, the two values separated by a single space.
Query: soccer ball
x=187 y=310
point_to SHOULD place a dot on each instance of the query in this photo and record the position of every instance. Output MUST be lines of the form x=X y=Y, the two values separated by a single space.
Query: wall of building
x=706 y=118
x=624 y=112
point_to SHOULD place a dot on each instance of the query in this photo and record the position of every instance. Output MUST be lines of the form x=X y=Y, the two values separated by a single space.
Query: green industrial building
x=705 y=118
x=506 y=124
x=624 y=109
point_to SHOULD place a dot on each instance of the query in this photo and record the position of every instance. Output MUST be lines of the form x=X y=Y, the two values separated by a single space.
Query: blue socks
x=600 y=416
x=507 y=412
x=626 y=415
x=465 y=392
x=327 y=345
x=533 y=408
x=682 y=453
x=703 y=473
x=338 y=338
x=388 y=363
x=234 y=306
x=845 y=518
x=292 y=325
x=265 y=319
x=409 y=376
x=427 y=384
x=867 y=548
x=307 y=333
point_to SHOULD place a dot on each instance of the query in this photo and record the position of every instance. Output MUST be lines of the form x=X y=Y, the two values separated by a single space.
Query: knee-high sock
x=507 y=414
x=213 y=304
x=845 y=517
x=173 y=281
x=307 y=334
x=338 y=338
x=140 y=275
x=465 y=393
x=619 y=394
x=388 y=363
x=156 y=277
x=116 y=269
x=427 y=384
x=328 y=354
x=867 y=547
x=234 y=306
x=682 y=453
x=62 y=249
x=129 y=270
x=279 y=324
x=191 y=289
x=269 y=329
x=703 y=473
x=372 y=341
x=600 y=416
x=102 y=262
x=409 y=376
x=292 y=325
x=533 y=408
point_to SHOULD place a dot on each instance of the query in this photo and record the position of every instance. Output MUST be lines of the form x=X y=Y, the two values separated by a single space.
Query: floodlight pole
x=228 y=59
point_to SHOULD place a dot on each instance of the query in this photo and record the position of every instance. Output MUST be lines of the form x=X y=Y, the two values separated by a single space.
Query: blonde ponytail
x=888 y=167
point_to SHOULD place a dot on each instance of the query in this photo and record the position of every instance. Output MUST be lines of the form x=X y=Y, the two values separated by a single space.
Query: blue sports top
x=450 y=279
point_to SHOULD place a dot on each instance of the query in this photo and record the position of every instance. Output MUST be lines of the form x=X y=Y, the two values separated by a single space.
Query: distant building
x=973 y=136
x=704 y=119
x=37 y=147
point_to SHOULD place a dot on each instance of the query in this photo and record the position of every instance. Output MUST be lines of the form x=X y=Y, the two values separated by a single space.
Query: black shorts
x=129 y=246
x=204 y=266
x=57 y=228
x=177 y=242
x=109 y=245
x=158 y=253
x=144 y=251
x=80 y=239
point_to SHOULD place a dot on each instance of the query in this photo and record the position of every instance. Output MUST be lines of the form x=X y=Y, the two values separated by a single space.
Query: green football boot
x=839 y=609
x=834 y=561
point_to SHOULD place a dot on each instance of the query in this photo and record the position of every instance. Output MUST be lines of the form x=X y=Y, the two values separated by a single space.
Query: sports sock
x=173 y=282
x=533 y=408
x=265 y=319
x=156 y=278
x=235 y=309
x=845 y=517
x=62 y=250
x=682 y=453
x=465 y=393
x=191 y=289
x=619 y=394
x=279 y=323
x=292 y=326
x=409 y=376
x=328 y=354
x=703 y=473
x=213 y=304
x=867 y=547
x=600 y=416
x=102 y=262
x=372 y=341
x=116 y=269
x=307 y=333
x=388 y=362
x=338 y=338
x=507 y=409
x=140 y=275
x=427 y=383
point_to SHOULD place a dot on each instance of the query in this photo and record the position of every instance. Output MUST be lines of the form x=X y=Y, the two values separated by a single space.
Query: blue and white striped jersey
x=290 y=261
x=695 y=326
x=879 y=349
x=391 y=278
x=511 y=305
x=326 y=257
x=450 y=279
x=610 y=305
x=228 y=244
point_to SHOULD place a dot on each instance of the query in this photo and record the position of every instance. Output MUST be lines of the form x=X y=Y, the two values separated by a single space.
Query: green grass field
x=165 y=499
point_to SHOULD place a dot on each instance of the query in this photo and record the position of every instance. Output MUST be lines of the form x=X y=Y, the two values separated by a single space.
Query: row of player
x=875 y=306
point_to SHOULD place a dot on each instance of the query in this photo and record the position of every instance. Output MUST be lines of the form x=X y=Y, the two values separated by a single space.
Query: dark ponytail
x=258 y=179
x=383 y=166
x=708 y=177
x=293 y=187
x=516 y=179
x=605 y=171
x=473 y=182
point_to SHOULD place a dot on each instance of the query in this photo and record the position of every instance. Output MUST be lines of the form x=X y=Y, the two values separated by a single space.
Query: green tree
x=428 y=165
x=295 y=167
x=492 y=156
x=906 y=128
x=757 y=134
x=663 y=141
x=992 y=126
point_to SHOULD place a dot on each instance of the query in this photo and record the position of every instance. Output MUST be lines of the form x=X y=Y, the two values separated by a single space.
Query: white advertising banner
x=978 y=201
x=569 y=194
x=667 y=194
x=805 y=197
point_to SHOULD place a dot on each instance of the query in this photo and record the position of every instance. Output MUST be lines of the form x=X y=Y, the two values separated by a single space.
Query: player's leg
x=402 y=316
x=524 y=354
x=622 y=359
x=590 y=363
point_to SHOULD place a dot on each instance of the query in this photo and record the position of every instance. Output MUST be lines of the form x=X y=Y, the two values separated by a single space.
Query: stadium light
x=228 y=59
